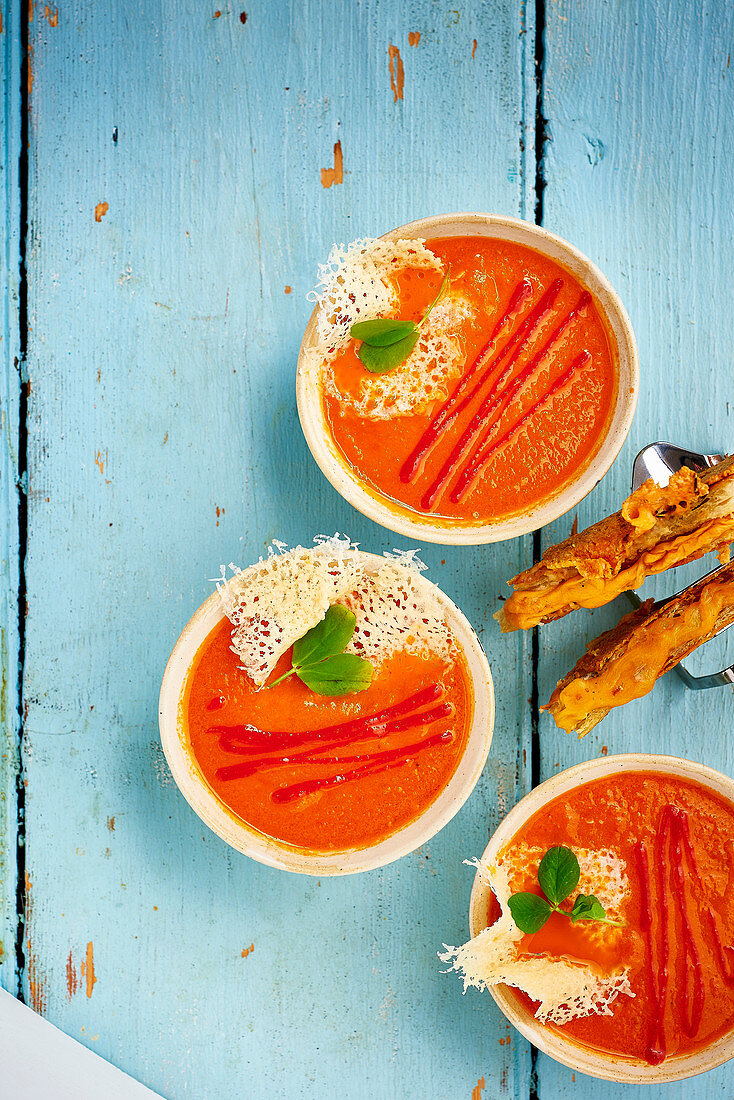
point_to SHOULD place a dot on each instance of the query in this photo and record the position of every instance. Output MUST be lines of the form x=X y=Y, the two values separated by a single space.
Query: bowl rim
x=568 y=1052
x=341 y=476
x=243 y=837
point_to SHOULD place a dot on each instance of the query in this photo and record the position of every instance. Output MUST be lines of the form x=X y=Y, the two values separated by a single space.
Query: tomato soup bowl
x=404 y=521
x=275 y=853
x=583 y=1059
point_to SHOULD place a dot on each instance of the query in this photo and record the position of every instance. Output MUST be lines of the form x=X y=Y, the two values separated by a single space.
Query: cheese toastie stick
x=625 y=663
x=657 y=527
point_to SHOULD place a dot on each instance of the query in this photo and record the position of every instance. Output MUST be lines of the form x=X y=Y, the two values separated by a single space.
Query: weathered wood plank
x=163 y=440
x=639 y=175
x=10 y=350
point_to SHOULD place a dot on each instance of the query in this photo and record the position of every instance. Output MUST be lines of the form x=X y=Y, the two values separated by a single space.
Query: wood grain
x=639 y=175
x=10 y=388
x=188 y=169
x=163 y=441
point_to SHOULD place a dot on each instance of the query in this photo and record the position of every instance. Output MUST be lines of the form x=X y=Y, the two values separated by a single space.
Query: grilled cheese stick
x=625 y=662
x=656 y=529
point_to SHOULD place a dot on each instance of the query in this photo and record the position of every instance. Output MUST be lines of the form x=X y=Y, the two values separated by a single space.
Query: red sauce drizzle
x=378 y=762
x=449 y=411
x=312 y=752
x=481 y=457
x=672 y=849
x=244 y=737
x=527 y=328
x=249 y=741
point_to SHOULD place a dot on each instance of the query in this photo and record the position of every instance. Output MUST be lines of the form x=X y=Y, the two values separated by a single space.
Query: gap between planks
x=541 y=137
x=22 y=490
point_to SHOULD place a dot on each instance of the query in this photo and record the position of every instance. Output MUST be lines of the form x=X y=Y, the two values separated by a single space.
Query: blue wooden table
x=172 y=176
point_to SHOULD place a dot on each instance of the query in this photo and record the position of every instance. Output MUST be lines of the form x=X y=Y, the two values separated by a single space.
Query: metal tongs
x=659 y=461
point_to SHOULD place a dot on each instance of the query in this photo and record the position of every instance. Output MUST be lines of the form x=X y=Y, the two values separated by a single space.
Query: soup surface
x=296 y=790
x=532 y=420
x=677 y=840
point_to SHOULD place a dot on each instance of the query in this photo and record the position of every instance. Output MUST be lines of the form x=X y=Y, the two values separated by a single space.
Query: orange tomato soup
x=549 y=429
x=400 y=767
x=677 y=841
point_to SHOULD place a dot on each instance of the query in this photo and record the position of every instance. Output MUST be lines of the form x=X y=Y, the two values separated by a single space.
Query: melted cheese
x=645 y=505
x=634 y=672
x=526 y=609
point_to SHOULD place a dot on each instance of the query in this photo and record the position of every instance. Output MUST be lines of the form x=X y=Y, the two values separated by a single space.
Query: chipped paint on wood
x=52 y=16
x=333 y=175
x=414 y=38
x=36 y=981
x=100 y=210
x=219 y=215
x=117 y=570
x=72 y=978
x=397 y=72
x=248 y=950
x=87 y=969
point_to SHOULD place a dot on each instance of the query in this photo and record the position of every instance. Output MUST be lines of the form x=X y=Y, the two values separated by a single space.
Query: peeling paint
x=336 y=174
x=52 y=15
x=88 y=969
x=100 y=210
x=414 y=38
x=36 y=983
x=36 y=979
x=100 y=461
x=248 y=950
x=72 y=978
x=476 y=1092
x=397 y=72
x=111 y=823
x=474 y=47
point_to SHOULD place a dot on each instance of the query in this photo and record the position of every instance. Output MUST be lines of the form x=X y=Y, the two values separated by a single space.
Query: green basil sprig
x=558 y=877
x=319 y=659
x=387 y=343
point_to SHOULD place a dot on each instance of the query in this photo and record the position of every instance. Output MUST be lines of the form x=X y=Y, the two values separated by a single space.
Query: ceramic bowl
x=577 y=1057
x=214 y=813
x=406 y=522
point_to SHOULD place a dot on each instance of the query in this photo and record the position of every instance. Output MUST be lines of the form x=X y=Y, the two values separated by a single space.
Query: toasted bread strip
x=626 y=661
x=656 y=528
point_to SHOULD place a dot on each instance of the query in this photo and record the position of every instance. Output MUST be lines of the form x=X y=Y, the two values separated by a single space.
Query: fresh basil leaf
x=328 y=637
x=342 y=674
x=381 y=360
x=529 y=911
x=558 y=874
x=587 y=907
x=382 y=331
